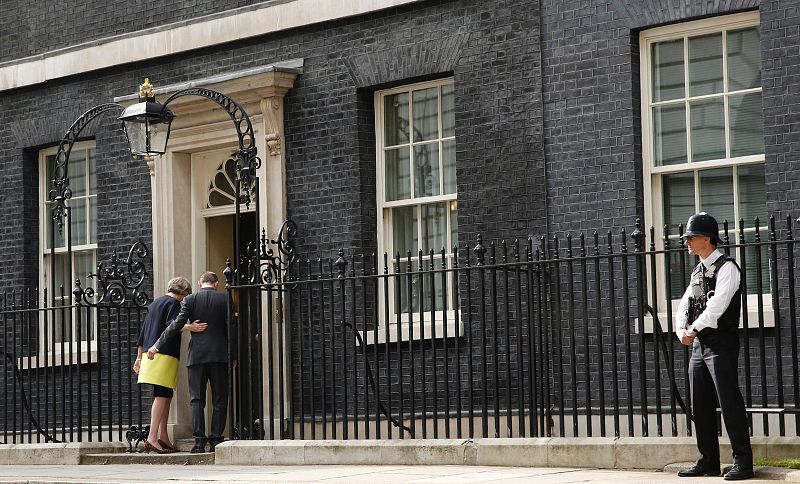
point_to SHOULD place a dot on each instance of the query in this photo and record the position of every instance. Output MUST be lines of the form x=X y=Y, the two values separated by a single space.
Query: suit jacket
x=209 y=346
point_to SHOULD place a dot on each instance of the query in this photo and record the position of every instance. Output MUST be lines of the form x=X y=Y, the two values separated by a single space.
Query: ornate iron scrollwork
x=266 y=265
x=135 y=435
x=61 y=192
x=118 y=279
x=247 y=161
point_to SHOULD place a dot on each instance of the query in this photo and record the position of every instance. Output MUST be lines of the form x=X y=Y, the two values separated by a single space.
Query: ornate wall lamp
x=147 y=126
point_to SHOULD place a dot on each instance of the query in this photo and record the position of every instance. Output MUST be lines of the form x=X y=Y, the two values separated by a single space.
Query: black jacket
x=209 y=346
x=160 y=314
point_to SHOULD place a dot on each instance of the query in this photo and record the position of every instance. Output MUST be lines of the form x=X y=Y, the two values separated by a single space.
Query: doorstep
x=55 y=453
x=177 y=458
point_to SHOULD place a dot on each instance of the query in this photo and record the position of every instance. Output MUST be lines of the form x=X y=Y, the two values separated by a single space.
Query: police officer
x=707 y=320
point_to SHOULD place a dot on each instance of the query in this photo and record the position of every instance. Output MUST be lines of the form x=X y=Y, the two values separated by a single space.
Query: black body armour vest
x=703 y=288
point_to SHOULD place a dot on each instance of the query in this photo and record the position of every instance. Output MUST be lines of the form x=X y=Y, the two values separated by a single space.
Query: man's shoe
x=213 y=443
x=199 y=447
x=698 y=471
x=739 y=473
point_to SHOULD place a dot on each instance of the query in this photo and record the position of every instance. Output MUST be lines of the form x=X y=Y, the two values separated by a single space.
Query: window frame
x=385 y=232
x=72 y=347
x=652 y=175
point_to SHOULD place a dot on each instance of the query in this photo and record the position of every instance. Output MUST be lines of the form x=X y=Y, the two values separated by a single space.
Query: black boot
x=199 y=446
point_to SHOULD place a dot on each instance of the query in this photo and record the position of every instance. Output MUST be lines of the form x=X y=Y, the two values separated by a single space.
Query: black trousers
x=713 y=378
x=199 y=377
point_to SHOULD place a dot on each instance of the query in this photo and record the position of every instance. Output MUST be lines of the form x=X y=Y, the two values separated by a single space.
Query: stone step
x=178 y=458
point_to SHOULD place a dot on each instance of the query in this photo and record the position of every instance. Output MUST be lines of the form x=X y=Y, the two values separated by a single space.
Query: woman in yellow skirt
x=161 y=372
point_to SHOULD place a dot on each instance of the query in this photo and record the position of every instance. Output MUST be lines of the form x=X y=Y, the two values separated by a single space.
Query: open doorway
x=219 y=240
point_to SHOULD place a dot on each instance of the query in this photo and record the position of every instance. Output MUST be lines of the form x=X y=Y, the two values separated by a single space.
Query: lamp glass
x=159 y=134
x=136 y=131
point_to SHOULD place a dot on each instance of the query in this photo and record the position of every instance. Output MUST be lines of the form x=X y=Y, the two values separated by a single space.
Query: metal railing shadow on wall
x=564 y=336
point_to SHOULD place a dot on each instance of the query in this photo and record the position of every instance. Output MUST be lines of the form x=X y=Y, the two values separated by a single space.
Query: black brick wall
x=590 y=64
x=780 y=60
x=547 y=113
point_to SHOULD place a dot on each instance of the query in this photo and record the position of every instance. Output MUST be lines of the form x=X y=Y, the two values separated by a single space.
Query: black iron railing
x=565 y=336
x=561 y=336
x=66 y=360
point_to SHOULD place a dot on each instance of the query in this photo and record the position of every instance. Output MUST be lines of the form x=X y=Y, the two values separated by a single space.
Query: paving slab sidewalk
x=113 y=474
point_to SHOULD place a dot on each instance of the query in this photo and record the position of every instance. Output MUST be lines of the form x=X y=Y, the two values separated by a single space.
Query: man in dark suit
x=209 y=354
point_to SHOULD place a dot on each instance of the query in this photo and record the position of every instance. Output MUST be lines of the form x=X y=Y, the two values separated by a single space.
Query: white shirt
x=728 y=279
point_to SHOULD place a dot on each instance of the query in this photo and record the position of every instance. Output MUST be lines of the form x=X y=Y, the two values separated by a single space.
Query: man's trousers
x=713 y=378
x=199 y=376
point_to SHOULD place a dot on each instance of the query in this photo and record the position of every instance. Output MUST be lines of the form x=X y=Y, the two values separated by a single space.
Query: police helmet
x=702 y=224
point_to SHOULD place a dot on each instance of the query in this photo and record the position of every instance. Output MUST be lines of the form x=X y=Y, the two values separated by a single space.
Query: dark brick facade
x=548 y=123
x=780 y=58
x=590 y=65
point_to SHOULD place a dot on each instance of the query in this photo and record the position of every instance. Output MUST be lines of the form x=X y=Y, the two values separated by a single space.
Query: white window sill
x=455 y=328
x=53 y=360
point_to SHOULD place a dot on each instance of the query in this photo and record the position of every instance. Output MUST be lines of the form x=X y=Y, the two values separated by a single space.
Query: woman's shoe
x=148 y=447
x=167 y=446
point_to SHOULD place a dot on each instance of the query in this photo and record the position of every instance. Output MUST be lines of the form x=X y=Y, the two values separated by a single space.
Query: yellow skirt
x=161 y=370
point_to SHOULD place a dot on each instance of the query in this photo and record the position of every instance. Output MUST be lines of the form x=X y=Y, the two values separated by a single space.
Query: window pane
x=432 y=295
x=229 y=167
x=744 y=59
x=448 y=111
x=426 y=170
x=395 y=124
x=398 y=174
x=59 y=319
x=92 y=219
x=668 y=82
x=747 y=124
x=218 y=199
x=84 y=265
x=410 y=277
x=61 y=278
x=680 y=270
x=77 y=173
x=705 y=64
x=752 y=194
x=708 y=129
x=404 y=229
x=49 y=163
x=678 y=190
x=434 y=227
x=449 y=165
x=47 y=220
x=426 y=114
x=90 y=156
x=78 y=226
x=669 y=135
x=453 y=225
x=716 y=194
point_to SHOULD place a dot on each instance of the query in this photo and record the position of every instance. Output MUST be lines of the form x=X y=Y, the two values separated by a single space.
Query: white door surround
x=180 y=178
